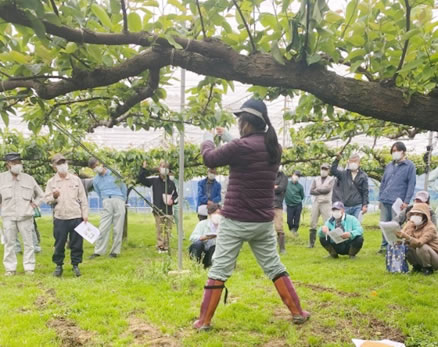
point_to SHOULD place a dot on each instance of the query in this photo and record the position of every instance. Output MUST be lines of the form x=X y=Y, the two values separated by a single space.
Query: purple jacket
x=250 y=193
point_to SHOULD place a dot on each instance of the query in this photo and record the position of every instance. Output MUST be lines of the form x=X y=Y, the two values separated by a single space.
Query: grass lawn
x=132 y=301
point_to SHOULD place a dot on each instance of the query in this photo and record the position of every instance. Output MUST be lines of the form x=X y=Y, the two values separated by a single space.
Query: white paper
x=336 y=235
x=88 y=231
x=396 y=206
x=389 y=230
x=359 y=342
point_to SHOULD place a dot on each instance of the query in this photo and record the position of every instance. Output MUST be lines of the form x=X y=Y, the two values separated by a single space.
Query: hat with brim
x=12 y=156
x=325 y=166
x=57 y=158
x=254 y=107
x=338 y=205
x=422 y=195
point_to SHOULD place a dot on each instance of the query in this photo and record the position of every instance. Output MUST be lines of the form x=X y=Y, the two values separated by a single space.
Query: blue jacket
x=398 y=181
x=215 y=193
x=350 y=224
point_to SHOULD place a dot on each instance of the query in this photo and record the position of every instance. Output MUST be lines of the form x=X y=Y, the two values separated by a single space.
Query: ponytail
x=271 y=143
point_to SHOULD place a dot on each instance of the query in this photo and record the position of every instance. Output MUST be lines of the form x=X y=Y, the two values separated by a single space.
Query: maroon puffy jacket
x=250 y=192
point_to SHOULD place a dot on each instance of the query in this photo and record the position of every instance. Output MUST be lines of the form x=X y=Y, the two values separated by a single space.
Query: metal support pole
x=181 y=175
x=429 y=155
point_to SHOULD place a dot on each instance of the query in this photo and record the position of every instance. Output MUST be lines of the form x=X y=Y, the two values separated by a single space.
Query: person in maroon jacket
x=248 y=212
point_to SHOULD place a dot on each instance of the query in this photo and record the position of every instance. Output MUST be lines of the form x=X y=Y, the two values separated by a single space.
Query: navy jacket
x=215 y=193
x=398 y=181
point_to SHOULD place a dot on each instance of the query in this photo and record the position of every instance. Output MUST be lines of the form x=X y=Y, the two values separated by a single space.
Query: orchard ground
x=132 y=301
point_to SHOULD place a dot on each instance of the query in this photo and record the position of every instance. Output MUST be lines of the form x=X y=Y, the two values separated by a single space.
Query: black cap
x=298 y=173
x=254 y=107
x=12 y=156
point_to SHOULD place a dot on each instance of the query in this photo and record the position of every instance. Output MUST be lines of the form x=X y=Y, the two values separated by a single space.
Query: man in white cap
x=19 y=195
x=66 y=193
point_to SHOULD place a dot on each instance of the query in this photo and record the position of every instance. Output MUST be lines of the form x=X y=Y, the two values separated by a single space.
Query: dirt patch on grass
x=44 y=300
x=147 y=334
x=318 y=288
x=69 y=333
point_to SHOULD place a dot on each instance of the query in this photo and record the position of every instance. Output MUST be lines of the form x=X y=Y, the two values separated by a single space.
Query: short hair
x=355 y=156
x=399 y=145
x=92 y=162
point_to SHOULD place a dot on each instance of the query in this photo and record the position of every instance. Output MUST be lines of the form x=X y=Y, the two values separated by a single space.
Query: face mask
x=215 y=218
x=164 y=171
x=98 y=169
x=16 y=169
x=211 y=176
x=324 y=173
x=396 y=155
x=294 y=178
x=337 y=214
x=172 y=178
x=417 y=220
x=62 y=169
x=353 y=166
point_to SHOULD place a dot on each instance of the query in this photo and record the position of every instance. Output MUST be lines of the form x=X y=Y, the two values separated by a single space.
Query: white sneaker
x=10 y=273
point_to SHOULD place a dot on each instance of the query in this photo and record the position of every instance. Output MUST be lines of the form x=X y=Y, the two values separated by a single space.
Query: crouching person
x=422 y=238
x=352 y=233
x=66 y=193
x=203 y=238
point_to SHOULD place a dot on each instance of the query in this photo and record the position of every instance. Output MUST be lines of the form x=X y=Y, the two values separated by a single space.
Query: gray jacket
x=321 y=189
x=281 y=184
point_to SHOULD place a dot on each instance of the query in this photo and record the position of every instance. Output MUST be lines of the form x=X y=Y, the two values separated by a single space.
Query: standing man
x=294 y=202
x=209 y=191
x=321 y=189
x=19 y=196
x=398 y=181
x=353 y=185
x=113 y=194
x=279 y=190
x=164 y=196
x=66 y=193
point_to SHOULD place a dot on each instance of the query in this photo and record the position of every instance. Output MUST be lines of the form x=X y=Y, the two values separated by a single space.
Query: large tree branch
x=405 y=47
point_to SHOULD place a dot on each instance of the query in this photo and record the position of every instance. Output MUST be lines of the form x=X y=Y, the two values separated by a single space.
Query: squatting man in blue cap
x=353 y=233
x=19 y=195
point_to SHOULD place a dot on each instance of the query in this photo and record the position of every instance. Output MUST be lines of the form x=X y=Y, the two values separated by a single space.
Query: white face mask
x=337 y=214
x=417 y=220
x=215 y=218
x=172 y=178
x=99 y=169
x=294 y=178
x=62 y=169
x=324 y=173
x=164 y=171
x=211 y=176
x=16 y=169
x=396 y=155
x=353 y=166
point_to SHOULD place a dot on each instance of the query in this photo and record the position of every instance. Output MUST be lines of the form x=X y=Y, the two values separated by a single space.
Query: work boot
x=329 y=248
x=417 y=268
x=58 y=271
x=312 y=238
x=352 y=252
x=94 y=255
x=212 y=295
x=428 y=270
x=281 y=242
x=76 y=270
x=287 y=292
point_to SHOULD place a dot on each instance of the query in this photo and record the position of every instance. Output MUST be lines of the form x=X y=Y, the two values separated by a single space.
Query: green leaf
x=410 y=33
x=71 y=47
x=100 y=13
x=134 y=22
x=276 y=53
x=313 y=59
x=5 y=118
x=268 y=20
x=356 y=53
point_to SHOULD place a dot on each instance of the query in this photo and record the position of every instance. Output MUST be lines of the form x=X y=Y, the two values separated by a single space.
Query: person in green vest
x=294 y=202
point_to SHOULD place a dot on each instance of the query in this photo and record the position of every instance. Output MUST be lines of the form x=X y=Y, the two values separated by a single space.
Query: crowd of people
x=252 y=212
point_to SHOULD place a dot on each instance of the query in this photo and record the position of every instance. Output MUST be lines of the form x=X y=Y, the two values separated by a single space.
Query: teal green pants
x=261 y=238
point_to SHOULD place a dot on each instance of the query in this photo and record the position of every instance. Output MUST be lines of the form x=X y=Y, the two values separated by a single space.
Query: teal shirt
x=350 y=224
x=294 y=194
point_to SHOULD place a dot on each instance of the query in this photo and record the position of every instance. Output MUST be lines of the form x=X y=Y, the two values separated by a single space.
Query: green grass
x=132 y=301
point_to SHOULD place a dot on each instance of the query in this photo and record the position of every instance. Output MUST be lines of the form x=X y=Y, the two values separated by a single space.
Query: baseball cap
x=298 y=173
x=422 y=195
x=255 y=107
x=338 y=205
x=325 y=166
x=57 y=157
x=12 y=156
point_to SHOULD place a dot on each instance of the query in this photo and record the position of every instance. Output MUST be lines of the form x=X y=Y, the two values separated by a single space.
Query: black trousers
x=293 y=216
x=196 y=250
x=62 y=229
x=350 y=247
